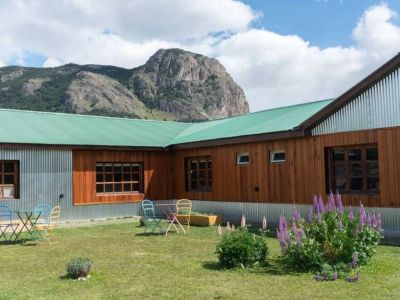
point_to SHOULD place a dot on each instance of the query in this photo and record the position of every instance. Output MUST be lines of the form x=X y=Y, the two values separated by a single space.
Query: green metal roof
x=267 y=121
x=29 y=127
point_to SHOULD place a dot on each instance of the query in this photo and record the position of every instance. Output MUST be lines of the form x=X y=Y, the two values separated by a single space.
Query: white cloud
x=2 y=63
x=51 y=63
x=273 y=69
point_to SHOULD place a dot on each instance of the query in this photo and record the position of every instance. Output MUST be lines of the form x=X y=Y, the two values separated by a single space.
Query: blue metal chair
x=6 y=222
x=151 y=222
x=43 y=211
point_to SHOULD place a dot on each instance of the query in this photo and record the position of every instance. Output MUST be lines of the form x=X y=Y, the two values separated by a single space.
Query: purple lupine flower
x=379 y=222
x=363 y=215
x=369 y=220
x=331 y=202
x=310 y=214
x=282 y=224
x=295 y=214
x=321 y=204
x=351 y=214
x=354 y=278
x=339 y=203
x=296 y=234
x=315 y=204
x=373 y=220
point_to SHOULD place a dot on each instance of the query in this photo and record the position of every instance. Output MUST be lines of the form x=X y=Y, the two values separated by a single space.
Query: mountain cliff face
x=172 y=85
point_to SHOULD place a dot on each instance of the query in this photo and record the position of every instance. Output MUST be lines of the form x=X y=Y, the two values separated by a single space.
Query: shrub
x=333 y=241
x=79 y=267
x=240 y=248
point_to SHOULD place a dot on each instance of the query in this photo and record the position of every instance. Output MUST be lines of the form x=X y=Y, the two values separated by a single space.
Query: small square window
x=277 y=156
x=242 y=159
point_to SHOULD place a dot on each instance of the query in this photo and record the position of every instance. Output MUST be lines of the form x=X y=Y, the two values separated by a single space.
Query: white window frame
x=239 y=155
x=272 y=154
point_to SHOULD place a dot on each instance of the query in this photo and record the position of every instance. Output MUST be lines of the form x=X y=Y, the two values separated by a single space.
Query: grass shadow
x=8 y=242
x=150 y=234
x=65 y=277
x=211 y=265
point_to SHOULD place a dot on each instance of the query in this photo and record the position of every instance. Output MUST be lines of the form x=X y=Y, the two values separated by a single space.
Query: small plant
x=79 y=267
x=334 y=242
x=241 y=248
x=142 y=221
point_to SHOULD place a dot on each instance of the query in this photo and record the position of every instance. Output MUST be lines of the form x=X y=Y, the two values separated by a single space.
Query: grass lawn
x=129 y=265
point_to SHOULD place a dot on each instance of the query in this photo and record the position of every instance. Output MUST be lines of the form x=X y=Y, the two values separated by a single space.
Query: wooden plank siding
x=157 y=169
x=297 y=179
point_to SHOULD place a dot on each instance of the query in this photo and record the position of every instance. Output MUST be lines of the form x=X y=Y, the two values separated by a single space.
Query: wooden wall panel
x=158 y=179
x=300 y=177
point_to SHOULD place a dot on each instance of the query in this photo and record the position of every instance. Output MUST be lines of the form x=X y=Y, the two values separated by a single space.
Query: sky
x=280 y=52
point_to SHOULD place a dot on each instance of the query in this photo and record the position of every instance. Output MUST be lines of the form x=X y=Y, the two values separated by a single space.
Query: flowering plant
x=331 y=236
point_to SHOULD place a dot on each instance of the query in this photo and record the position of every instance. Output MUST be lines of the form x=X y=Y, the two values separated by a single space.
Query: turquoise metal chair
x=6 y=222
x=43 y=211
x=151 y=222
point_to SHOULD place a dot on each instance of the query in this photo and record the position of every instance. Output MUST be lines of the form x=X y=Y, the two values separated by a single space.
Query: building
x=257 y=164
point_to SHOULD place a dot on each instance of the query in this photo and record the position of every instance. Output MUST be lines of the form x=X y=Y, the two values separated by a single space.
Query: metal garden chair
x=44 y=211
x=151 y=222
x=47 y=230
x=184 y=209
x=6 y=222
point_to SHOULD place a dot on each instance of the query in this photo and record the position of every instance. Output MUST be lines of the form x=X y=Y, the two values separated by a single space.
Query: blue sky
x=280 y=52
x=323 y=23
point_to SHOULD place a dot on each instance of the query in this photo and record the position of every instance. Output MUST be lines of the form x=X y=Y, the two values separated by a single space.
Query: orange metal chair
x=184 y=209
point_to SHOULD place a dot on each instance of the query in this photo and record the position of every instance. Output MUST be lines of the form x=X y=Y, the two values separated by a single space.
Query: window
x=277 y=156
x=242 y=159
x=9 y=177
x=119 y=177
x=198 y=174
x=353 y=169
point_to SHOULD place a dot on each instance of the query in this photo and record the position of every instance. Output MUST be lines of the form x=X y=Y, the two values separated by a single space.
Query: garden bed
x=200 y=219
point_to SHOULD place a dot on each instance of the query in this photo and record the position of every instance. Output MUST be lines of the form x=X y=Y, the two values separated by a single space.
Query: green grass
x=128 y=265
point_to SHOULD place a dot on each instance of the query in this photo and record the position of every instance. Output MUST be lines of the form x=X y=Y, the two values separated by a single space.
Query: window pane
x=126 y=169
x=99 y=168
x=109 y=188
x=372 y=153
x=99 y=177
x=127 y=177
x=117 y=177
x=99 y=188
x=109 y=177
x=209 y=175
x=202 y=184
x=118 y=187
x=193 y=165
x=355 y=169
x=209 y=164
x=202 y=164
x=243 y=159
x=9 y=168
x=338 y=155
x=202 y=175
x=108 y=168
x=135 y=168
x=118 y=168
x=278 y=157
x=339 y=169
x=1 y=179
x=135 y=187
x=355 y=184
x=340 y=183
x=135 y=176
x=127 y=187
x=373 y=183
x=193 y=175
x=8 y=179
x=373 y=169
x=194 y=184
x=354 y=155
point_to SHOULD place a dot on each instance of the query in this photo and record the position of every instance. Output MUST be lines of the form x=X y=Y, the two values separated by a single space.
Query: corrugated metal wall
x=45 y=173
x=254 y=212
x=377 y=107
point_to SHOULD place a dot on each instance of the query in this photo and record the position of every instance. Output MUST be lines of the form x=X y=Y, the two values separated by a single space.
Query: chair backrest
x=55 y=214
x=43 y=211
x=184 y=206
x=148 y=209
x=5 y=213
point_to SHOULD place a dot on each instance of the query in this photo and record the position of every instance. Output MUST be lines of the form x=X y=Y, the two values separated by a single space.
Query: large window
x=353 y=169
x=198 y=174
x=9 y=175
x=119 y=177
